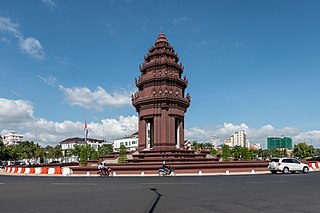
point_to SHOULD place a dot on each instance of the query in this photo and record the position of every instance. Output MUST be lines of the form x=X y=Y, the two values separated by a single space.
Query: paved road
x=243 y=193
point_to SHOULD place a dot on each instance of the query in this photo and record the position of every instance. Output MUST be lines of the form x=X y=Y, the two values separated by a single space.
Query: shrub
x=123 y=154
x=83 y=155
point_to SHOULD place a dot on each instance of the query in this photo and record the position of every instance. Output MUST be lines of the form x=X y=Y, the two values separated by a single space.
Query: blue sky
x=251 y=65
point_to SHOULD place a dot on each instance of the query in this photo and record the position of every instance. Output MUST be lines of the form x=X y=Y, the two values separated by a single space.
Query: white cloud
x=49 y=3
x=47 y=132
x=6 y=25
x=238 y=44
x=15 y=111
x=5 y=41
x=50 y=80
x=17 y=115
x=32 y=47
x=255 y=135
x=179 y=20
x=84 y=97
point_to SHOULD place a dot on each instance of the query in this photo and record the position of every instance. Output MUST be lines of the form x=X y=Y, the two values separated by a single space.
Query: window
x=295 y=161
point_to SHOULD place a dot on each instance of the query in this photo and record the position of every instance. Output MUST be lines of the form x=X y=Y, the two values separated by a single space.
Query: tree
x=237 y=152
x=213 y=152
x=54 y=152
x=226 y=152
x=90 y=151
x=40 y=153
x=123 y=154
x=245 y=153
x=76 y=151
x=302 y=150
x=105 y=150
x=95 y=156
x=83 y=156
x=2 y=146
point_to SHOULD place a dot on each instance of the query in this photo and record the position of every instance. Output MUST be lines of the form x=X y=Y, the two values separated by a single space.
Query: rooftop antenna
x=161 y=29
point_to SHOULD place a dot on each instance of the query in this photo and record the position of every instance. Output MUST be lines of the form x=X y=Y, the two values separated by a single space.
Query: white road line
x=186 y=183
x=262 y=182
x=2 y=183
x=75 y=184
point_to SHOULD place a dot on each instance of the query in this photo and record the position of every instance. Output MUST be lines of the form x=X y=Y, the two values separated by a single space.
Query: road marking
x=2 y=183
x=75 y=184
x=185 y=183
x=252 y=182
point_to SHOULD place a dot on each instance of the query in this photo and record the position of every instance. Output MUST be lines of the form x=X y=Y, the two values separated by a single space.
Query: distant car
x=286 y=165
x=314 y=159
x=52 y=162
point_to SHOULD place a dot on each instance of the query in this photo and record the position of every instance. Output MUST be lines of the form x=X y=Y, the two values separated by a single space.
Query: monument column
x=142 y=134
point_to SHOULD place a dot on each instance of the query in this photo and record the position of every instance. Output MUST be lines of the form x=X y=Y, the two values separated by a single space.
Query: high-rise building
x=279 y=142
x=238 y=139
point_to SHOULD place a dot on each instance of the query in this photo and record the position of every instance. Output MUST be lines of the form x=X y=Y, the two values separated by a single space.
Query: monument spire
x=160 y=99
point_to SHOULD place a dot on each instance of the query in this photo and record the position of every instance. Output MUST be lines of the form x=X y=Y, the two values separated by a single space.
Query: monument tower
x=160 y=101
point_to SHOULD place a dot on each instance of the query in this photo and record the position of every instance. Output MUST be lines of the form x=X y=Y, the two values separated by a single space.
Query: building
x=12 y=138
x=160 y=101
x=215 y=141
x=69 y=143
x=279 y=143
x=130 y=142
x=238 y=139
x=255 y=146
x=229 y=141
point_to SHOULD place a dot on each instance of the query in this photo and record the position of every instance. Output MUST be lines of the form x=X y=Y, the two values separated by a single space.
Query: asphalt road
x=240 y=193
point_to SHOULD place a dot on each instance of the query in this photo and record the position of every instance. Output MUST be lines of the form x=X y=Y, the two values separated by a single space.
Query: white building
x=215 y=141
x=69 y=143
x=130 y=142
x=238 y=139
x=12 y=138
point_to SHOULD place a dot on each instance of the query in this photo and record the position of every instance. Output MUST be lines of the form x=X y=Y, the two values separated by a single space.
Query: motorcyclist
x=166 y=168
x=102 y=168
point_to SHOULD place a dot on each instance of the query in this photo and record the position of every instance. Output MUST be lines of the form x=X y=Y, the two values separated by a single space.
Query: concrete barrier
x=27 y=170
x=32 y=170
x=44 y=170
x=58 y=171
x=51 y=171
x=66 y=171
x=37 y=170
x=314 y=166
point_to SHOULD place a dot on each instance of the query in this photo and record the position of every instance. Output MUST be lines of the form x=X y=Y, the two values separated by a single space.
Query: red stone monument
x=161 y=101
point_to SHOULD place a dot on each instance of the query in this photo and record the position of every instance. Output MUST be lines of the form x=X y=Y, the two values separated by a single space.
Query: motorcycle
x=166 y=171
x=105 y=172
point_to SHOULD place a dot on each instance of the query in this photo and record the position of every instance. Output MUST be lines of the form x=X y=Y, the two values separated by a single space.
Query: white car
x=286 y=165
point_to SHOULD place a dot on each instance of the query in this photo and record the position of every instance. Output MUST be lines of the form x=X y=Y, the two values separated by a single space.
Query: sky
x=251 y=65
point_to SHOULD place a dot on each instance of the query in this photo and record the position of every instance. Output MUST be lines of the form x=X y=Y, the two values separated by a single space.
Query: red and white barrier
x=37 y=170
x=34 y=170
x=51 y=171
x=314 y=166
x=27 y=170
